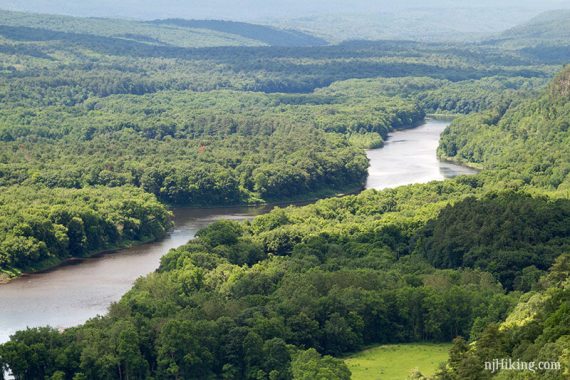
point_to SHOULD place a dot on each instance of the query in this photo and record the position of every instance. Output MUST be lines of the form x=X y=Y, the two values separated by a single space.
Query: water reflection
x=409 y=156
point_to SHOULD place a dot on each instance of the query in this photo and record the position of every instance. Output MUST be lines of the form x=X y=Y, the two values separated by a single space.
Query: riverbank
x=435 y=122
x=300 y=199
x=69 y=295
x=52 y=263
x=457 y=161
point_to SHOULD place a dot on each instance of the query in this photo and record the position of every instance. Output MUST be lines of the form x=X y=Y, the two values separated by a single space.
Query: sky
x=251 y=9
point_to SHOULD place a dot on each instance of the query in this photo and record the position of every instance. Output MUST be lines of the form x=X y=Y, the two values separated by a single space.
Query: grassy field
x=396 y=362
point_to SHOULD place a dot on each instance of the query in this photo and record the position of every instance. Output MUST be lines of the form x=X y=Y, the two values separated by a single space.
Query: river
x=71 y=294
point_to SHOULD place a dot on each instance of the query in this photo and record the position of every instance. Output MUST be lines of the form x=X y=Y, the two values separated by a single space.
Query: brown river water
x=71 y=294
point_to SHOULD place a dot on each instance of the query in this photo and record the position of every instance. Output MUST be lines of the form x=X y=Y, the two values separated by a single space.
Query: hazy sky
x=250 y=9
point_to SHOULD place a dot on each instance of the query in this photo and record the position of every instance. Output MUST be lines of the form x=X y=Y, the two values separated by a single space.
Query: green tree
x=310 y=365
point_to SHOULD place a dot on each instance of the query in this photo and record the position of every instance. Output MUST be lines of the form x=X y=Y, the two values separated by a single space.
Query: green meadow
x=397 y=361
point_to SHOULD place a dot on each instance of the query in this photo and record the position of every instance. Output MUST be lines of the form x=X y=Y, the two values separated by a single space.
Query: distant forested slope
x=425 y=22
x=552 y=25
x=545 y=38
x=265 y=34
x=337 y=20
x=254 y=9
x=179 y=33
x=119 y=30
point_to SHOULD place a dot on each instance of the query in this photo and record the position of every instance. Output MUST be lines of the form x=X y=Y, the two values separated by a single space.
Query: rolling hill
x=548 y=26
x=544 y=38
x=265 y=34
x=173 y=33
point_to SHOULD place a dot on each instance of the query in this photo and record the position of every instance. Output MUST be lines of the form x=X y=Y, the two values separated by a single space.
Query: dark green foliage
x=333 y=288
x=502 y=235
x=215 y=148
x=37 y=353
x=525 y=146
x=476 y=96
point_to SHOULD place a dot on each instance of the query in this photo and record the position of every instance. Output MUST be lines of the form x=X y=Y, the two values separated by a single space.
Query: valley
x=225 y=199
x=66 y=299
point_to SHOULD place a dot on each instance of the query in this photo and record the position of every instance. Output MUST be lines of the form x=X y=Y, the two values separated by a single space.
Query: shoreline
x=46 y=267
x=115 y=268
x=308 y=198
x=53 y=264
x=470 y=165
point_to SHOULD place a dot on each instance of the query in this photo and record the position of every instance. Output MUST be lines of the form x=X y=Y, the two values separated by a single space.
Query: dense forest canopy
x=40 y=227
x=525 y=144
x=421 y=262
x=86 y=106
x=100 y=131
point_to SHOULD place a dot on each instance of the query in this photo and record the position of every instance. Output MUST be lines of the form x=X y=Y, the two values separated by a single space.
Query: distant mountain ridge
x=267 y=34
x=173 y=32
x=546 y=27
x=545 y=37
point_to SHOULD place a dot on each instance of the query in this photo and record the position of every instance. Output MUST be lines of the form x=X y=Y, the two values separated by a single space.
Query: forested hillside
x=544 y=38
x=267 y=298
x=86 y=106
x=536 y=329
x=523 y=147
x=172 y=32
x=525 y=144
x=552 y=27
x=106 y=123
